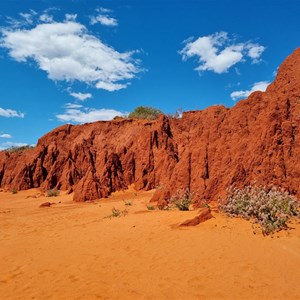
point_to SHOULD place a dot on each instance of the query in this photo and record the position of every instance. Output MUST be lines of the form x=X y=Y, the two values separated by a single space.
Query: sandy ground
x=76 y=251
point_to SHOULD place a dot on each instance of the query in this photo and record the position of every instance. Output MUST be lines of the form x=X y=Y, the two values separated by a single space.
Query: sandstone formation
x=204 y=215
x=45 y=204
x=256 y=141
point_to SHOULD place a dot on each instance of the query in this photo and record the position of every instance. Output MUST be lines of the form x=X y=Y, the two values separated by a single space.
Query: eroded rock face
x=256 y=141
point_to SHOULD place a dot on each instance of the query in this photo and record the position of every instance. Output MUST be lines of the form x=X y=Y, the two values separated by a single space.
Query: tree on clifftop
x=145 y=112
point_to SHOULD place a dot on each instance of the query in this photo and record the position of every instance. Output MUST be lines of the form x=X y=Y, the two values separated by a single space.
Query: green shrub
x=182 y=199
x=150 y=207
x=145 y=113
x=270 y=208
x=53 y=193
x=14 y=191
x=115 y=212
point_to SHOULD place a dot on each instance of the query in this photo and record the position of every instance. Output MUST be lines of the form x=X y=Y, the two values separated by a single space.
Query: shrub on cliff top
x=145 y=113
x=271 y=209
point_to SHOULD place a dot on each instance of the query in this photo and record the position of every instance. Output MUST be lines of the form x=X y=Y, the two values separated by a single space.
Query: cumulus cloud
x=46 y=18
x=5 y=136
x=218 y=52
x=255 y=51
x=111 y=86
x=257 y=86
x=71 y=17
x=68 y=52
x=10 y=113
x=8 y=145
x=78 y=114
x=104 y=18
x=104 y=10
x=81 y=96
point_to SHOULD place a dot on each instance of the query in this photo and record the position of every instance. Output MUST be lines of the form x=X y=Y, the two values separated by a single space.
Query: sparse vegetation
x=14 y=191
x=145 y=113
x=128 y=203
x=115 y=212
x=20 y=149
x=182 y=199
x=270 y=208
x=53 y=193
x=150 y=207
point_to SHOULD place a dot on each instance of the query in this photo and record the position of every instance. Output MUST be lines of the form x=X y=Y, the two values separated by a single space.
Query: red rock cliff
x=256 y=141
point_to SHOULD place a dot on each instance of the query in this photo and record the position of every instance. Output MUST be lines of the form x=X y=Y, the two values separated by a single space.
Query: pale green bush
x=270 y=208
x=53 y=193
x=182 y=199
x=145 y=113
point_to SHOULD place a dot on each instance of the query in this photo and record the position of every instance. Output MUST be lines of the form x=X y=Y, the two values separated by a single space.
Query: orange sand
x=72 y=251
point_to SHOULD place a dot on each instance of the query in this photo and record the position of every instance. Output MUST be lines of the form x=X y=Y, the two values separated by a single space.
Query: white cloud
x=110 y=86
x=85 y=115
x=71 y=17
x=10 y=113
x=275 y=72
x=104 y=20
x=104 y=10
x=8 y=145
x=73 y=105
x=66 y=51
x=27 y=17
x=81 y=96
x=218 y=53
x=255 y=51
x=257 y=86
x=5 y=136
x=104 y=17
x=46 y=18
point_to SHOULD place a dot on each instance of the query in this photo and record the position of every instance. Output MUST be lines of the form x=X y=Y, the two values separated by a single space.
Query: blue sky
x=80 y=61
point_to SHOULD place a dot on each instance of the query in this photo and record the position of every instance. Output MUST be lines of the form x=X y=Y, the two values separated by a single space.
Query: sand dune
x=76 y=251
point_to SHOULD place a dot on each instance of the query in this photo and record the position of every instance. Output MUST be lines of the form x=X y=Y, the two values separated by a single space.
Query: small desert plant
x=115 y=212
x=150 y=207
x=270 y=208
x=53 y=193
x=182 y=199
x=145 y=113
x=14 y=191
x=128 y=203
